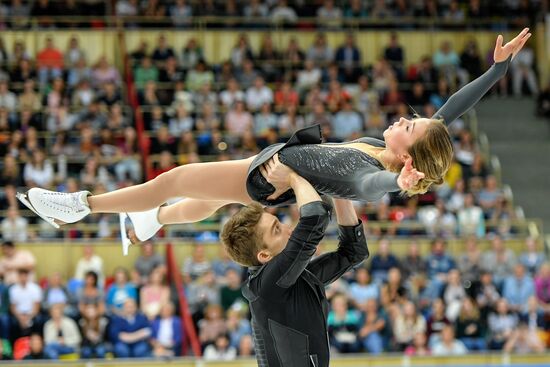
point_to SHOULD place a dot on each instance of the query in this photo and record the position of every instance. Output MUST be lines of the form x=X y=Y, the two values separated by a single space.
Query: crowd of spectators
x=261 y=13
x=66 y=125
x=434 y=304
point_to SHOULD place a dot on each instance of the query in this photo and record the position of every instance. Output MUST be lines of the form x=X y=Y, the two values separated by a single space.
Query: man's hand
x=409 y=176
x=278 y=175
x=502 y=52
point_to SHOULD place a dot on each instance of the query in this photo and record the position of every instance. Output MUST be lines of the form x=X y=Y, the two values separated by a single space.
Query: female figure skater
x=414 y=155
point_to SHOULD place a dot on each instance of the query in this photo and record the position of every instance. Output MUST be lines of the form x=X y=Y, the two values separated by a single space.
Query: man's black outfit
x=287 y=294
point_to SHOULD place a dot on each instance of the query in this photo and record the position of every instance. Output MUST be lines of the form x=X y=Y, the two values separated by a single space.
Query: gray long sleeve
x=467 y=96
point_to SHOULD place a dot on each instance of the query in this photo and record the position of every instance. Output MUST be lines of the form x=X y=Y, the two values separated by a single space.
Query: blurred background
x=99 y=95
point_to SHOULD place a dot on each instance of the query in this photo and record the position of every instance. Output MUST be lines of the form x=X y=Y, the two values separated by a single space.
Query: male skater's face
x=275 y=235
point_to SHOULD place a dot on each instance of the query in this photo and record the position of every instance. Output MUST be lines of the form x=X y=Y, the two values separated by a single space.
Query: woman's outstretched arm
x=471 y=93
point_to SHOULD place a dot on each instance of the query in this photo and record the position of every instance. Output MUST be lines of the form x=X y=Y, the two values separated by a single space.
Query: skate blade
x=24 y=199
x=123 y=234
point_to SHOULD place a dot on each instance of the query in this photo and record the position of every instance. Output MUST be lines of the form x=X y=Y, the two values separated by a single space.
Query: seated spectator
x=469 y=263
x=371 y=333
x=205 y=96
x=282 y=13
x=8 y=99
x=454 y=294
x=74 y=53
x=166 y=333
x=489 y=196
x=486 y=294
x=105 y=73
x=320 y=52
x=383 y=261
x=542 y=286
x=246 y=348
x=347 y=122
x=212 y=326
x=448 y=345
x=518 y=288
x=447 y=62
x=363 y=289
x=406 y=325
x=393 y=292
x=258 y=94
x=199 y=76
x=129 y=332
x=522 y=67
x=57 y=293
x=535 y=318
x=13 y=260
x=93 y=326
x=232 y=94
x=89 y=262
x=286 y=96
x=197 y=264
x=61 y=334
x=149 y=96
x=247 y=75
x=36 y=345
x=191 y=54
x=231 y=294
x=499 y=261
x=222 y=263
x=436 y=321
x=38 y=171
x=418 y=346
x=147 y=261
x=470 y=326
x=78 y=73
x=523 y=341
x=413 y=264
x=119 y=292
x=269 y=59
x=343 y=326
x=25 y=297
x=309 y=77
x=202 y=292
x=154 y=294
x=220 y=350
x=14 y=226
x=501 y=325
x=242 y=51
x=238 y=119
x=329 y=15
x=49 y=63
x=530 y=257
x=238 y=326
x=162 y=52
x=439 y=265
x=348 y=56
x=264 y=121
x=470 y=218
x=91 y=294
x=145 y=72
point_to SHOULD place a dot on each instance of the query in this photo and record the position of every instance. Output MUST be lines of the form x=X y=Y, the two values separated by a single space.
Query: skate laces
x=67 y=202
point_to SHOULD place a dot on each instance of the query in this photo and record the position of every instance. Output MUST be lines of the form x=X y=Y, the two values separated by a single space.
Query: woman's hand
x=278 y=175
x=511 y=48
x=409 y=176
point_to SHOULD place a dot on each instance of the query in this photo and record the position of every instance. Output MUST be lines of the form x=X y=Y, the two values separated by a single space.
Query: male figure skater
x=285 y=289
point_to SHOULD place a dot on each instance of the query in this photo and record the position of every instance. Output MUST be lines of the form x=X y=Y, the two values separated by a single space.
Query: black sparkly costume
x=346 y=172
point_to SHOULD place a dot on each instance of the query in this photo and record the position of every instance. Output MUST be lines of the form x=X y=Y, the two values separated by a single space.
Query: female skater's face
x=275 y=236
x=403 y=133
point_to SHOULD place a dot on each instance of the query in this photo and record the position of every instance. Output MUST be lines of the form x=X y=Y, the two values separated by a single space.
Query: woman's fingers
x=500 y=40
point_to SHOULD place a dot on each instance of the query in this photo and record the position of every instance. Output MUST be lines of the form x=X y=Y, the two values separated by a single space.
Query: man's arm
x=352 y=246
x=283 y=270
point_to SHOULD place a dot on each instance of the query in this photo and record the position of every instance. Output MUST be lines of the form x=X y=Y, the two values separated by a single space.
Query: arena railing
x=190 y=334
x=213 y=22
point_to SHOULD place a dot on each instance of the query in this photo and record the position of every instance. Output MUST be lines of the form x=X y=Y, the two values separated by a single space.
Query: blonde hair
x=432 y=154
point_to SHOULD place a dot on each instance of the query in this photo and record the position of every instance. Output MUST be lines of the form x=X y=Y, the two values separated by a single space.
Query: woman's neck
x=389 y=160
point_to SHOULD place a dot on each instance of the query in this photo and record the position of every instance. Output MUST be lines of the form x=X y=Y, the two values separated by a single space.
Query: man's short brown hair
x=241 y=236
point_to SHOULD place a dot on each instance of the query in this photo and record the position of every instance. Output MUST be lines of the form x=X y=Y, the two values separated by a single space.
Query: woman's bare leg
x=217 y=181
x=189 y=211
